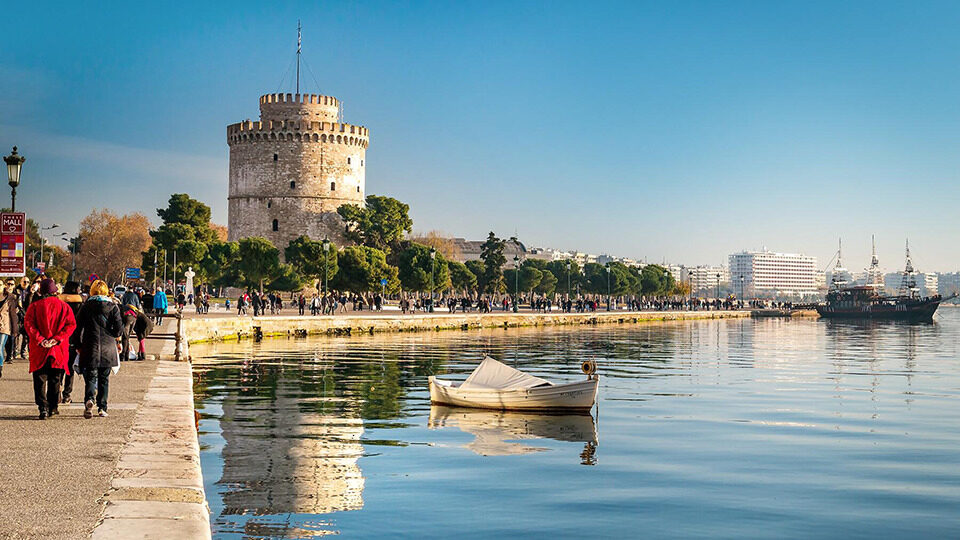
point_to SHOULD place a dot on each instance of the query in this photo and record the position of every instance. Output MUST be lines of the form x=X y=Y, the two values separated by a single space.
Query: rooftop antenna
x=298 y=56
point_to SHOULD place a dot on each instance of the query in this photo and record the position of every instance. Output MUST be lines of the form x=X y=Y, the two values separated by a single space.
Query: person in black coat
x=142 y=327
x=100 y=326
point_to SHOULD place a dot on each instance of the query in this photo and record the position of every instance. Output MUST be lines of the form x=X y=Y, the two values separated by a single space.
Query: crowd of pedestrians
x=70 y=330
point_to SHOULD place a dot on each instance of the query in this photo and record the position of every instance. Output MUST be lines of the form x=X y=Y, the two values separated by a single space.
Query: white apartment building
x=948 y=283
x=766 y=273
x=927 y=283
x=705 y=279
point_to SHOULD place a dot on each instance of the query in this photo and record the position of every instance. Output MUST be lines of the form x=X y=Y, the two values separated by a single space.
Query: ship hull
x=922 y=311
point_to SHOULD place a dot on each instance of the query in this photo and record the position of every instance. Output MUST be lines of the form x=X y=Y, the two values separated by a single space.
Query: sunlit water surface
x=733 y=428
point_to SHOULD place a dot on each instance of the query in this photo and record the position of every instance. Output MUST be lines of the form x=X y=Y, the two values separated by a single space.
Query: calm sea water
x=737 y=428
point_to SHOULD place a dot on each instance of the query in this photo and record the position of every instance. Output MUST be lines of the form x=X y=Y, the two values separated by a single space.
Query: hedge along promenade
x=215 y=327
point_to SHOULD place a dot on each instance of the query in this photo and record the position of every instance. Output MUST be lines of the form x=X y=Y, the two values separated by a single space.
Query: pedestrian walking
x=71 y=295
x=9 y=319
x=100 y=327
x=142 y=328
x=50 y=323
x=159 y=305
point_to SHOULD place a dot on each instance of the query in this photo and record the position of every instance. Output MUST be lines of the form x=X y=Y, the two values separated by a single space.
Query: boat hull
x=577 y=396
x=921 y=311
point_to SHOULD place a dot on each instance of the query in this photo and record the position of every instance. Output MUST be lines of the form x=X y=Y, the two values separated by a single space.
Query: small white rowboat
x=494 y=385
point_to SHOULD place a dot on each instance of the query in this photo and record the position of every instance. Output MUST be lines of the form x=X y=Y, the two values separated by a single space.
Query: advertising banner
x=13 y=231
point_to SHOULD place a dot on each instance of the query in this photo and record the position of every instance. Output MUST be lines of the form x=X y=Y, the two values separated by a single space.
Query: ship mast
x=874 y=276
x=837 y=279
x=908 y=286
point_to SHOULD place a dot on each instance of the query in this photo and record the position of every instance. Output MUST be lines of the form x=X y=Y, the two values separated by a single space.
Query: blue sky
x=673 y=130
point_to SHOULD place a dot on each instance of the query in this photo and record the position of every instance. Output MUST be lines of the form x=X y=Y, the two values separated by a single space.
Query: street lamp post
x=14 y=163
x=741 y=287
x=43 y=240
x=608 y=288
x=326 y=250
x=568 y=279
x=516 y=286
x=718 y=285
x=433 y=267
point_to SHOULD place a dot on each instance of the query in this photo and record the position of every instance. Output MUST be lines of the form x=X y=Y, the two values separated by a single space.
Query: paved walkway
x=56 y=474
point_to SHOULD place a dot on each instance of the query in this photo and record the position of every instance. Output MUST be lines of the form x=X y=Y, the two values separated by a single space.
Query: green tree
x=560 y=271
x=220 y=263
x=418 y=270
x=548 y=281
x=258 y=260
x=308 y=257
x=381 y=224
x=655 y=280
x=362 y=268
x=461 y=278
x=191 y=212
x=529 y=278
x=491 y=253
x=286 y=278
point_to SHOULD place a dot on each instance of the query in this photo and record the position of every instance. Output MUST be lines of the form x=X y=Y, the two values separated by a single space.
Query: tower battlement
x=314 y=107
x=298 y=130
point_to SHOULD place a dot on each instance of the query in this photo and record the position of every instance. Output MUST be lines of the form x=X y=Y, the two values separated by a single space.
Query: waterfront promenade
x=135 y=474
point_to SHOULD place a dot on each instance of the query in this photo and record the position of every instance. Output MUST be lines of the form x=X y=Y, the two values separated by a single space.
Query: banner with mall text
x=13 y=230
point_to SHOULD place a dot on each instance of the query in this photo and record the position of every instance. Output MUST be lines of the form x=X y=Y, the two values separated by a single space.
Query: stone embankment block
x=225 y=328
x=157 y=487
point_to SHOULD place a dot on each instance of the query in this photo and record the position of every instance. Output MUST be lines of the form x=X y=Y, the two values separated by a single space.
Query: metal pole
x=608 y=288
x=13 y=199
x=164 y=269
x=174 y=273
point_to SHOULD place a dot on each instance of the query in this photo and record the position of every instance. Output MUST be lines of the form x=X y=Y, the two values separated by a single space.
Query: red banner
x=13 y=230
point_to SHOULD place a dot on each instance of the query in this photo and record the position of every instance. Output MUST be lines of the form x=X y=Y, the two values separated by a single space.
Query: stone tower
x=290 y=171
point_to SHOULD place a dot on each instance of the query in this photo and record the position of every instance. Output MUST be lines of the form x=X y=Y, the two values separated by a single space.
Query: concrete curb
x=157 y=487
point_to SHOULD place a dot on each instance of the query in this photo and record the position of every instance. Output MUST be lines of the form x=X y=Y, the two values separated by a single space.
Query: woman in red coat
x=49 y=323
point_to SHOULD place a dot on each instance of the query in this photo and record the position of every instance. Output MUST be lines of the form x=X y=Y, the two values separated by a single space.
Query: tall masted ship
x=867 y=302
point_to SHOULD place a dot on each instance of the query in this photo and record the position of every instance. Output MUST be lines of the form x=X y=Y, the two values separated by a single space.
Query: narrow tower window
x=358 y=189
x=348 y=161
x=269 y=204
x=293 y=184
x=333 y=186
x=276 y=225
x=276 y=157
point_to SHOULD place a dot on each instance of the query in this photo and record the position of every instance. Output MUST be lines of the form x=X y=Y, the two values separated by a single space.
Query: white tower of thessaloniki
x=290 y=171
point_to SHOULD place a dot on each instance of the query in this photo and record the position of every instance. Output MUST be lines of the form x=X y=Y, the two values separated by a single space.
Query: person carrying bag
x=101 y=325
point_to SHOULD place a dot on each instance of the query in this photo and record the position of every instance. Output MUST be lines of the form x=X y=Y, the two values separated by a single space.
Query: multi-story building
x=766 y=273
x=948 y=284
x=927 y=283
x=704 y=280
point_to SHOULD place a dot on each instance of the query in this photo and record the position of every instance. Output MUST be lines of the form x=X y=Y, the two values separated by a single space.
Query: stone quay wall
x=290 y=171
x=205 y=329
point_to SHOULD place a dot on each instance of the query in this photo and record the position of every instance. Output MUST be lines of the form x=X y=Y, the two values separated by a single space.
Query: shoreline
x=206 y=329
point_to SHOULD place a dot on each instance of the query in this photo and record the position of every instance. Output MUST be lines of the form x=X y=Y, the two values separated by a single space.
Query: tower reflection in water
x=496 y=432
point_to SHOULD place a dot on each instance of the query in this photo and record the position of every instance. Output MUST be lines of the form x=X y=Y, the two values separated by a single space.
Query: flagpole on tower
x=298 y=56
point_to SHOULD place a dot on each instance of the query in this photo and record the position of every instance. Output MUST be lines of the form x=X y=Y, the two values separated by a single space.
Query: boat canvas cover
x=494 y=375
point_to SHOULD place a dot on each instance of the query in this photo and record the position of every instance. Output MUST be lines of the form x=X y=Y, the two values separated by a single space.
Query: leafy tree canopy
x=491 y=253
x=382 y=224
x=361 y=268
x=461 y=277
x=257 y=260
x=308 y=257
x=418 y=271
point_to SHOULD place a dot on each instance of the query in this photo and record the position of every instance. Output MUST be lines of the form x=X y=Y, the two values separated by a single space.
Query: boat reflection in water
x=496 y=432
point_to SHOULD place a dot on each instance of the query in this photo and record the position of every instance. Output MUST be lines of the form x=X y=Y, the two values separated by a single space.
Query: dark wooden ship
x=867 y=302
